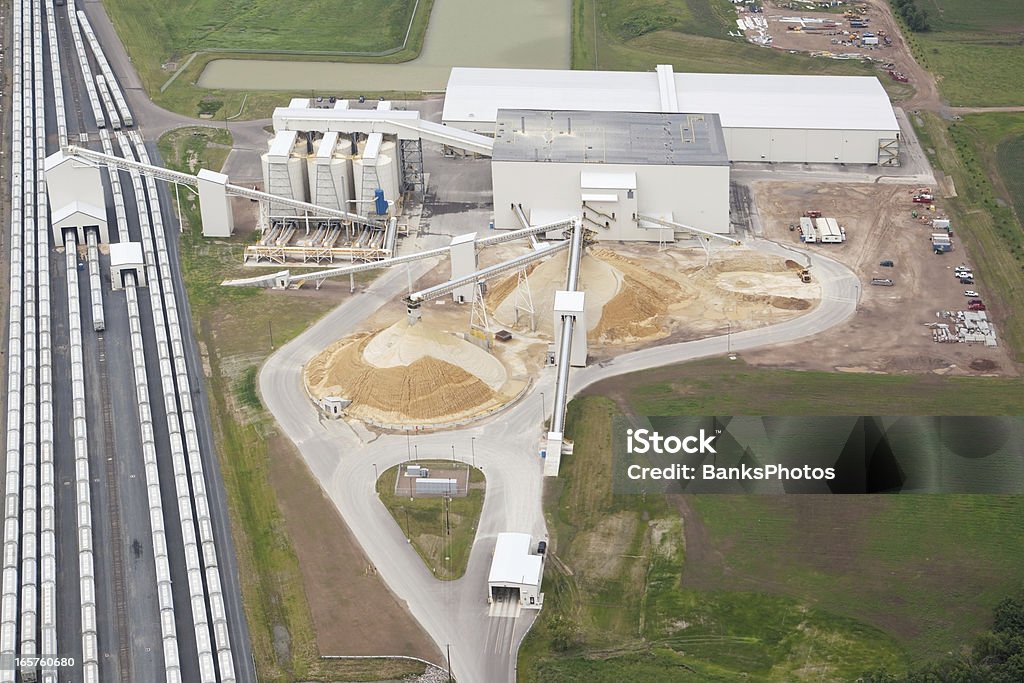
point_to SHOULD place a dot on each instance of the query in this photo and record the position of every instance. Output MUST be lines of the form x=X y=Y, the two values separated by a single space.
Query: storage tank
x=330 y=172
x=378 y=158
x=284 y=169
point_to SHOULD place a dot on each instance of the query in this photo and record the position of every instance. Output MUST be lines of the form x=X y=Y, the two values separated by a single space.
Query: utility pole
x=270 y=328
x=472 y=447
x=408 y=445
x=448 y=649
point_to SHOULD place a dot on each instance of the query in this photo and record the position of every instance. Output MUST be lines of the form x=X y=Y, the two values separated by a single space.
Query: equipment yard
x=890 y=332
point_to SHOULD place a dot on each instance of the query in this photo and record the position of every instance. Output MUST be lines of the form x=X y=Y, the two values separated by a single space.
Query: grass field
x=233 y=328
x=441 y=531
x=165 y=33
x=764 y=588
x=689 y=34
x=1010 y=162
x=974 y=49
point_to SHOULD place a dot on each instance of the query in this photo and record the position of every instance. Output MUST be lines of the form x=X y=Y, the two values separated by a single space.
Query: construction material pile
x=410 y=374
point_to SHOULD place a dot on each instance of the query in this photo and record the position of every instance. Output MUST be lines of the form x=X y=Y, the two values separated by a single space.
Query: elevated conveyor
x=179 y=178
x=405 y=125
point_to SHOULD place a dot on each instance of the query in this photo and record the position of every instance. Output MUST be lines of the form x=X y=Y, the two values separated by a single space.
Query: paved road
x=344 y=458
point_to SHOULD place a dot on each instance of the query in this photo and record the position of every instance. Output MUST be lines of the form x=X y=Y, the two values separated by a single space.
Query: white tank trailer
x=330 y=172
x=284 y=169
x=378 y=160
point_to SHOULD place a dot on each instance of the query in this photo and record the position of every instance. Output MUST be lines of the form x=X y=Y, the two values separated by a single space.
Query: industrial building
x=515 y=571
x=611 y=168
x=764 y=118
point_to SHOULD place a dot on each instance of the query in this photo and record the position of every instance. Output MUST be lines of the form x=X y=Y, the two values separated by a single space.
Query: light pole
x=472 y=447
x=416 y=450
x=408 y=444
x=453 y=452
x=543 y=409
x=728 y=337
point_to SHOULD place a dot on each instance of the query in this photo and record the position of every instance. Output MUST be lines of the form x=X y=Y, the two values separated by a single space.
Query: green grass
x=691 y=35
x=966 y=150
x=974 y=50
x=974 y=69
x=616 y=609
x=971 y=15
x=765 y=588
x=233 y=329
x=723 y=387
x=1010 y=161
x=443 y=547
x=159 y=33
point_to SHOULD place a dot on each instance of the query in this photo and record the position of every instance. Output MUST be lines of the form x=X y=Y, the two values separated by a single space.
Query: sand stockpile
x=410 y=375
x=600 y=281
x=404 y=344
x=638 y=309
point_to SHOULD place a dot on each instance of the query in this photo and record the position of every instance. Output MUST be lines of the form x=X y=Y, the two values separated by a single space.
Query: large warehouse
x=613 y=169
x=802 y=119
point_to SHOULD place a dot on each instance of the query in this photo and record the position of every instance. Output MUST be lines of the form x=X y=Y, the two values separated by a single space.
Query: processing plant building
x=764 y=118
x=613 y=169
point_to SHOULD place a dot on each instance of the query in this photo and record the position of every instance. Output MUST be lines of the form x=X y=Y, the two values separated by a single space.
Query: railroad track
x=30 y=613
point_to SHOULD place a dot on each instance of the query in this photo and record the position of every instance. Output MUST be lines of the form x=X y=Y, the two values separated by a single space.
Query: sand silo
x=376 y=166
x=330 y=172
x=284 y=169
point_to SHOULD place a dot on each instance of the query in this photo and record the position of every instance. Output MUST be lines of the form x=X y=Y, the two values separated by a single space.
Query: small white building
x=126 y=257
x=81 y=217
x=515 y=571
x=611 y=168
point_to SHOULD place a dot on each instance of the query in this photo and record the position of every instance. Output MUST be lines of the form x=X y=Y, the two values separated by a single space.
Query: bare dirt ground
x=786 y=36
x=888 y=333
x=926 y=92
x=339 y=581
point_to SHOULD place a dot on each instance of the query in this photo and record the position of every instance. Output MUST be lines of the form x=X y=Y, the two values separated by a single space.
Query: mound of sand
x=771 y=283
x=403 y=344
x=644 y=298
x=600 y=281
x=409 y=374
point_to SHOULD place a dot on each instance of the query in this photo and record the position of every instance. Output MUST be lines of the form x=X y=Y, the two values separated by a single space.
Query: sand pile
x=638 y=310
x=409 y=374
x=756 y=278
x=600 y=281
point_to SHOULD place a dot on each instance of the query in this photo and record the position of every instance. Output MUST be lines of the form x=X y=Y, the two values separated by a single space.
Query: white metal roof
x=126 y=254
x=212 y=176
x=83 y=209
x=465 y=237
x=569 y=302
x=327 y=145
x=282 y=143
x=513 y=563
x=474 y=95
